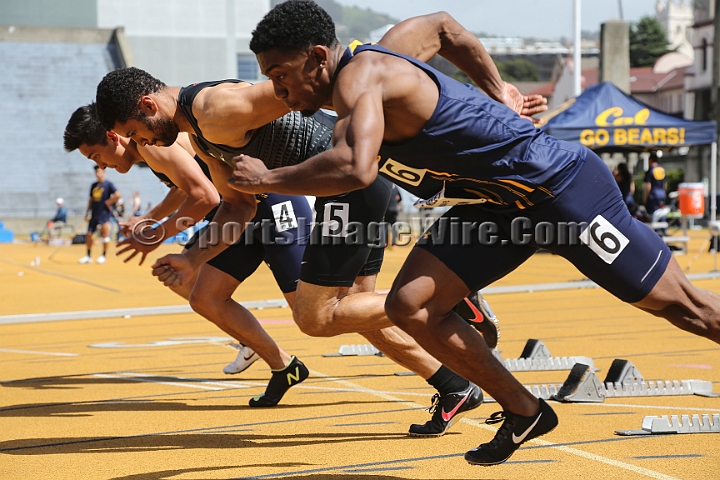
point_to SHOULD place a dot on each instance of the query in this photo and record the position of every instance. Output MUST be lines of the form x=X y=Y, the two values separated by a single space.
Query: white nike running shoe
x=246 y=356
x=101 y=259
x=85 y=259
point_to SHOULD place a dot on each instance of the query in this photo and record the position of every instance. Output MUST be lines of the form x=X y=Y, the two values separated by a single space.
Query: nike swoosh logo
x=447 y=416
x=479 y=317
x=249 y=356
x=518 y=440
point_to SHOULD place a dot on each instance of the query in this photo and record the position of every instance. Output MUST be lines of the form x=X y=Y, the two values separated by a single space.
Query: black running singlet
x=289 y=140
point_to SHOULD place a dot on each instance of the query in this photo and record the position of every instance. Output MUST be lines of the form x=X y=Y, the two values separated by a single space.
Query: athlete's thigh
x=213 y=283
x=346 y=240
x=475 y=244
x=425 y=282
x=289 y=231
x=615 y=250
x=241 y=259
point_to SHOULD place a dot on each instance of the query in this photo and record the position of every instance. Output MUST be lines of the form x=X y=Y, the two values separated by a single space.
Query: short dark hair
x=118 y=95
x=84 y=128
x=292 y=26
x=96 y=167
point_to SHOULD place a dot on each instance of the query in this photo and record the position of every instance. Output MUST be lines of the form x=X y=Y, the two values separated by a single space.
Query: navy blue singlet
x=477 y=149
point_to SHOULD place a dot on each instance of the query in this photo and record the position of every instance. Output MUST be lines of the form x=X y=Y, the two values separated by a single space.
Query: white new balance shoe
x=85 y=259
x=246 y=356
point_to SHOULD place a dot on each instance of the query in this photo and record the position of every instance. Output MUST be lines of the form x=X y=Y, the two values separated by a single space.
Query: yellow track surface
x=145 y=397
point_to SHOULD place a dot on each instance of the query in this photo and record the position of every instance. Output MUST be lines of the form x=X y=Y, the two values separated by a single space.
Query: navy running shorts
x=587 y=223
x=280 y=231
x=97 y=221
x=347 y=238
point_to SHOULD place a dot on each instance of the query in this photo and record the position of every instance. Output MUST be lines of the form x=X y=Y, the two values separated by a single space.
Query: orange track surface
x=70 y=409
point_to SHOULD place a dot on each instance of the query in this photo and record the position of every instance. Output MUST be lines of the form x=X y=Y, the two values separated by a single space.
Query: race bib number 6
x=604 y=239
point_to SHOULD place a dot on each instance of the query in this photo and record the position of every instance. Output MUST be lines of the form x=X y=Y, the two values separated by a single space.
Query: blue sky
x=549 y=19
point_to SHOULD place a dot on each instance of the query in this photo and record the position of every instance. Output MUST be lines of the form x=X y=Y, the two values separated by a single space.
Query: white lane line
x=154 y=378
x=140 y=377
x=32 y=352
x=649 y=407
x=573 y=451
x=121 y=312
x=175 y=384
x=608 y=461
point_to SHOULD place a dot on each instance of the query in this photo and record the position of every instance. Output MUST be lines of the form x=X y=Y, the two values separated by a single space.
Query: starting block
x=536 y=357
x=363 y=350
x=624 y=380
x=676 y=424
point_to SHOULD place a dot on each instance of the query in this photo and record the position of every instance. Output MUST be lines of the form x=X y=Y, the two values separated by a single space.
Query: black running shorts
x=347 y=238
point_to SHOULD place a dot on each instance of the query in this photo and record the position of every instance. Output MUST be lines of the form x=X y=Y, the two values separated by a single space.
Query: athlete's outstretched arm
x=237 y=208
x=352 y=162
x=439 y=33
x=200 y=197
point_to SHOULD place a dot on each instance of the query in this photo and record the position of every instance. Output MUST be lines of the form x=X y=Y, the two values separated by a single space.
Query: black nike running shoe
x=446 y=409
x=514 y=431
x=476 y=311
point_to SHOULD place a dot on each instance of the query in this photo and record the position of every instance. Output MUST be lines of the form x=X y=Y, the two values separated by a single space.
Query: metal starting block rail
x=623 y=380
x=676 y=424
x=360 y=350
x=536 y=357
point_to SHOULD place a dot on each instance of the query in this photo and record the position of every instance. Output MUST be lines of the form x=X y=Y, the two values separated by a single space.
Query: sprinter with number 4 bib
x=191 y=198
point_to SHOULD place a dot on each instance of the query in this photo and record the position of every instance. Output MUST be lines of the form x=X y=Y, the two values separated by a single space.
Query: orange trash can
x=691 y=199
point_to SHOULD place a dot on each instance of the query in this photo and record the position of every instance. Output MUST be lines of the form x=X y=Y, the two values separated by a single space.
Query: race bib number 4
x=284 y=216
x=604 y=239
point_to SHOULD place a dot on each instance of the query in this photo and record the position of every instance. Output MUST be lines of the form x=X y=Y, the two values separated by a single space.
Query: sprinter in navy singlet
x=453 y=146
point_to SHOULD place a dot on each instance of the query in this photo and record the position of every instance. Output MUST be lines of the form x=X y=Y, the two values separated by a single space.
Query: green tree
x=648 y=42
x=518 y=70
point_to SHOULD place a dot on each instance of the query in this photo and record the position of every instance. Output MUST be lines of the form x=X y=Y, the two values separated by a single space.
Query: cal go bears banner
x=603 y=116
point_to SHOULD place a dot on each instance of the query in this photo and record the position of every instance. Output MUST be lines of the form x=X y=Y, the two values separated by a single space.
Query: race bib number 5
x=604 y=239
x=335 y=220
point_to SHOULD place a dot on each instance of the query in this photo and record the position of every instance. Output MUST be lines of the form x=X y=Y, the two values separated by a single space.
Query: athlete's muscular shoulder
x=228 y=113
x=408 y=95
x=221 y=111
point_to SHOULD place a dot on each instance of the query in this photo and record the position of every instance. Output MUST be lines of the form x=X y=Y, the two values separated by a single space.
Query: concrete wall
x=43 y=82
x=184 y=41
x=615 y=54
x=49 y=13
